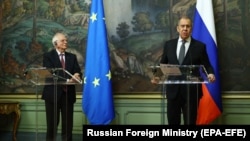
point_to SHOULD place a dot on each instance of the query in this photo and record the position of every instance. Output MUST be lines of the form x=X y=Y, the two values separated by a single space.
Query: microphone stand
x=155 y=68
x=55 y=79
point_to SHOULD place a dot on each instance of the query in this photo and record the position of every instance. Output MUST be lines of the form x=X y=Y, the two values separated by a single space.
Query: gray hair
x=55 y=38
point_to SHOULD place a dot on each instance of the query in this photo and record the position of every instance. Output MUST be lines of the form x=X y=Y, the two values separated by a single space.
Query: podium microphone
x=154 y=69
x=56 y=69
x=79 y=81
x=25 y=71
x=156 y=63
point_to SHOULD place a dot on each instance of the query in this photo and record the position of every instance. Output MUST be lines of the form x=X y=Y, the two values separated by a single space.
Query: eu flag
x=210 y=106
x=97 y=102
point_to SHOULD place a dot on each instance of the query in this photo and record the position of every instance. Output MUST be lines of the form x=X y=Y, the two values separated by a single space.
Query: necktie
x=63 y=66
x=62 y=60
x=182 y=52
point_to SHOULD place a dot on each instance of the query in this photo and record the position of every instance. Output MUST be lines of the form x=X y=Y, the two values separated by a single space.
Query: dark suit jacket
x=51 y=60
x=196 y=55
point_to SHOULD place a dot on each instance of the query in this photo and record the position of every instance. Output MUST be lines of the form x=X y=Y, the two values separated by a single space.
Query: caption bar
x=165 y=131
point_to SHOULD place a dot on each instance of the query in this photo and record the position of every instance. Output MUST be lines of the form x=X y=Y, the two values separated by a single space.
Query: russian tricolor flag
x=204 y=30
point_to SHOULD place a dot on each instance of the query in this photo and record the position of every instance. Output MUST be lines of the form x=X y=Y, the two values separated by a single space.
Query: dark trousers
x=180 y=105
x=53 y=117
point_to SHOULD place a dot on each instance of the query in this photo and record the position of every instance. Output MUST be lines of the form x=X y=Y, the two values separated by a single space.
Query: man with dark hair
x=194 y=53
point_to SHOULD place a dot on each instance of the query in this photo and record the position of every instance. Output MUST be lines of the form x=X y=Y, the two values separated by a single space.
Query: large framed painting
x=137 y=30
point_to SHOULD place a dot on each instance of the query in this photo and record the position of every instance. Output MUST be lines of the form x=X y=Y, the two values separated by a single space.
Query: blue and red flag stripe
x=204 y=30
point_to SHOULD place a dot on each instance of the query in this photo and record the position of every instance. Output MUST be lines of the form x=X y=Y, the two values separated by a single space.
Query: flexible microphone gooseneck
x=156 y=64
x=25 y=71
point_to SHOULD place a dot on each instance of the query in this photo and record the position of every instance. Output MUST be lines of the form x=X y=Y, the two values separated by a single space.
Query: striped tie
x=62 y=60
x=63 y=66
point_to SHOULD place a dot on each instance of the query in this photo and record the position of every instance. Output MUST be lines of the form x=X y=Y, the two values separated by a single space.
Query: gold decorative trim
x=124 y=96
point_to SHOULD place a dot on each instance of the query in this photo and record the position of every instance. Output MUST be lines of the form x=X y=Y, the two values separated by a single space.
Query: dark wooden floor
x=26 y=136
